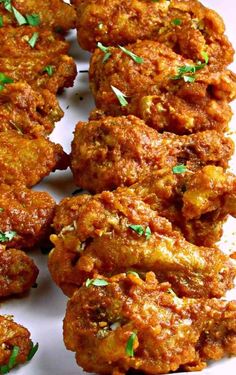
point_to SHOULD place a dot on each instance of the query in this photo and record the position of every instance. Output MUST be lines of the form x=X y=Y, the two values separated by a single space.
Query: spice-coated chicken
x=117 y=232
x=27 y=214
x=26 y=160
x=161 y=89
x=17 y=272
x=55 y=14
x=186 y=26
x=28 y=111
x=119 y=151
x=141 y=325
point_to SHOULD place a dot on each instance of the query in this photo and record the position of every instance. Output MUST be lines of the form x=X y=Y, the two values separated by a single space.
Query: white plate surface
x=43 y=309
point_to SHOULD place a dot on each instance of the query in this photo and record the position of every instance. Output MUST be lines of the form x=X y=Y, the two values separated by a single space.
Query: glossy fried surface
x=113 y=152
x=99 y=239
x=17 y=273
x=26 y=160
x=152 y=94
x=115 y=22
x=170 y=333
x=28 y=111
x=26 y=212
x=11 y=335
x=55 y=14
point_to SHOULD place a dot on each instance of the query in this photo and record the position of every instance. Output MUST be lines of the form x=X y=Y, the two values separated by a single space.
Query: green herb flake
x=187 y=72
x=33 y=19
x=133 y=273
x=189 y=79
x=1 y=21
x=33 y=351
x=5 y=369
x=137 y=59
x=137 y=229
x=49 y=70
x=7 y=5
x=148 y=233
x=176 y=22
x=18 y=16
x=129 y=350
x=105 y=50
x=120 y=96
x=33 y=40
x=95 y=282
x=4 y=80
x=7 y=236
x=178 y=169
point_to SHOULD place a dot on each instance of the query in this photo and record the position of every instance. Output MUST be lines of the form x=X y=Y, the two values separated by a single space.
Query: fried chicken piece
x=141 y=325
x=153 y=95
x=116 y=232
x=119 y=151
x=18 y=272
x=54 y=14
x=13 y=335
x=26 y=213
x=197 y=203
x=28 y=111
x=114 y=22
x=26 y=160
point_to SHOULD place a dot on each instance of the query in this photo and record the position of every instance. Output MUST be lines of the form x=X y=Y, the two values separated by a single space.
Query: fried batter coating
x=12 y=335
x=101 y=239
x=55 y=14
x=17 y=272
x=119 y=151
x=153 y=95
x=169 y=333
x=28 y=111
x=25 y=160
x=27 y=213
x=115 y=22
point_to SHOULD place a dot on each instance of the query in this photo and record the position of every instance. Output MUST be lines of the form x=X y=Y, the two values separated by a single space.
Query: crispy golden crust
x=113 y=152
x=18 y=272
x=26 y=160
x=55 y=14
x=28 y=111
x=171 y=333
x=100 y=240
x=116 y=22
x=13 y=334
x=153 y=95
x=28 y=213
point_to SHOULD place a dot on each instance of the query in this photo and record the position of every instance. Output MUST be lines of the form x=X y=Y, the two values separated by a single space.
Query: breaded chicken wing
x=28 y=111
x=26 y=213
x=141 y=325
x=55 y=14
x=117 y=232
x=13 y=335
x=157 y=93
x=26 y=160
x=17 y=272
x=115 y=22
x=119 y=151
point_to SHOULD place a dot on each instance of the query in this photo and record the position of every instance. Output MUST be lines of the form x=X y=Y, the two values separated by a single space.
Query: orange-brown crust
x=171 y=333
x=18 y=272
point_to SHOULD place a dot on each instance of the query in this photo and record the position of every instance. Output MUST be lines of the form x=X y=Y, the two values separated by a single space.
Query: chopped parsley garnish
x=120 y=96
x=176 y=22
x=137 y=59
x=4 y=80
x=105 y=50
x=33 y=39
x=33 y=19
x=178 y=169
x=49 y=70
x=7 y=236
x=18 y=16
x=7 y=5
x=187 y=72
x=33 y=351
x=140 y=230
x=129 y=350
x=95 y=282
x=1 y=21
x=5 y=369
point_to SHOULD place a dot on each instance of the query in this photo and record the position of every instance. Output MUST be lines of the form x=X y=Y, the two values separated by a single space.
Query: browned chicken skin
x=17 y=273
x=153 y=95
x=113 y=152
x=141 y=325
x=117 y=22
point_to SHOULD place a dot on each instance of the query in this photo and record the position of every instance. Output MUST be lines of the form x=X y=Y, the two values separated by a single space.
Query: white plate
x=43 y=309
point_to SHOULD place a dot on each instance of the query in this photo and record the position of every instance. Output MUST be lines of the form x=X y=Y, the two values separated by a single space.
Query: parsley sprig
x=49 y=70
x=180 y=168
x=5 y=369
x=7 y=236
x=137 y=59
x=29 y=19
x=105 y=50
x=187 y=72
x=4 y=80
x=120 y=96
x=129 y=349
x=96 y=282
x=33 y=40
x=140 y=230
